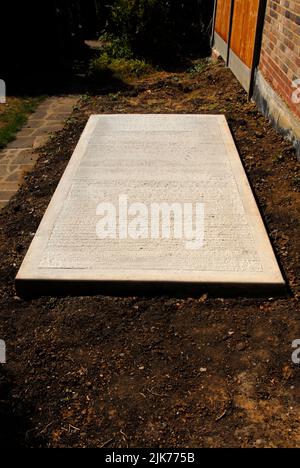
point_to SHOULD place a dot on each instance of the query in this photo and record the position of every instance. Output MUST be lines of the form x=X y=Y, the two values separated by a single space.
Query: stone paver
x=21 y=154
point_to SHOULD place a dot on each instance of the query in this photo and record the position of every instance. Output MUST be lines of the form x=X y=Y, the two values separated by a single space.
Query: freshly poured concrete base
x=152 y=158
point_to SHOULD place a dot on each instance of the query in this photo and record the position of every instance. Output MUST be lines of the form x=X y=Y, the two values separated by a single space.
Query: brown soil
x=160 y=372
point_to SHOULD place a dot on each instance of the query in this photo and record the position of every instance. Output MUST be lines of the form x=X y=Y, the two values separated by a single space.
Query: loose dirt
x=155 y=372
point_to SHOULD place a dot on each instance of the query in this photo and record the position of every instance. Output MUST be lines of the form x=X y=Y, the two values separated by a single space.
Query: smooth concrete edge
x=29 y=266
x=30 y=289
x=240 y=70
x=274 y=108
x=220 y=46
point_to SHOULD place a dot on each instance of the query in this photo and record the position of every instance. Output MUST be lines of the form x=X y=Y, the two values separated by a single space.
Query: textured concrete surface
x=151 y=158
x=20 y=155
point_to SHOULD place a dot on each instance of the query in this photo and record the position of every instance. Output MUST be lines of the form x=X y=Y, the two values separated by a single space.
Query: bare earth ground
x=161 y=372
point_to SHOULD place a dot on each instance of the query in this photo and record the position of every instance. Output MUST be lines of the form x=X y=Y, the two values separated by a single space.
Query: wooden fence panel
x=222 y=25
x=222 y=18
x=244 y=29
x=235 y=35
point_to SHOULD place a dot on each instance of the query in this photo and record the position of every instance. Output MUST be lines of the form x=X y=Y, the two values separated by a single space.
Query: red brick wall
x=280 y=54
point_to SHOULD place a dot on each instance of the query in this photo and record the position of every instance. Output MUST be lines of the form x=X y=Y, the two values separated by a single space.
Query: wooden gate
x=238 y=29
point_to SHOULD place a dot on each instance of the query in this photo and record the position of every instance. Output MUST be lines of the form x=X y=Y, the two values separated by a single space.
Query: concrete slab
x=189 y=160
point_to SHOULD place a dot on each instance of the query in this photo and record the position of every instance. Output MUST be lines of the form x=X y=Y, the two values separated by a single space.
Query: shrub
x=159 y=29
x=103 y=67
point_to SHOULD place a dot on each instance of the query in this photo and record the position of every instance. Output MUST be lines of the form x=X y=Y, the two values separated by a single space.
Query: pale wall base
x=275 y=109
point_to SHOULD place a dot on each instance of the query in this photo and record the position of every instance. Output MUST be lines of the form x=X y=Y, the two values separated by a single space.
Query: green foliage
x=143 y=31
x=123 y=68
x=198 y=67
x=116 y=47
x=157 y=29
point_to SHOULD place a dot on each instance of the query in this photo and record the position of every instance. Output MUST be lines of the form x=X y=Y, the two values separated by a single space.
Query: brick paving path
x=20 y=155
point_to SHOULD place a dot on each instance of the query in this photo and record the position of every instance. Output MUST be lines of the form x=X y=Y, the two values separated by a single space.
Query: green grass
x=123 y=68
x=14 y=116
x=198 y=67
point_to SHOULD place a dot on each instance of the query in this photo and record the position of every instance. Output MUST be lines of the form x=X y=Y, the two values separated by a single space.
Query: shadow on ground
x=14 y=414
x=74 y=78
